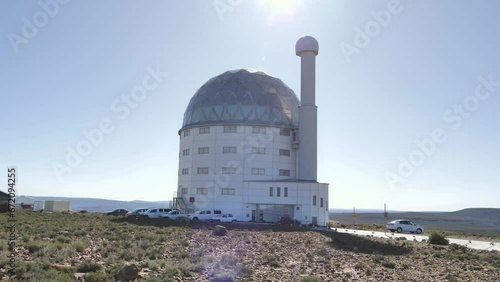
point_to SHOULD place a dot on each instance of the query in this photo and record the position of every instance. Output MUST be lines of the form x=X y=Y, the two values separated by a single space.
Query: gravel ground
x=298 y=255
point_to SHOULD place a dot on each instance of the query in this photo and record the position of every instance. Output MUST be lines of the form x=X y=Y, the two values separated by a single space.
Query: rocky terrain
x=91 y=247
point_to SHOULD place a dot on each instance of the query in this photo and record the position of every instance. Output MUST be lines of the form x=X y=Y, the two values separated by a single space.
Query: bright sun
x=279 y=10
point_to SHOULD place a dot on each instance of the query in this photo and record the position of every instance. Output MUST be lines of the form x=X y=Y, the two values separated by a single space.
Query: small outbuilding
x=4 y=202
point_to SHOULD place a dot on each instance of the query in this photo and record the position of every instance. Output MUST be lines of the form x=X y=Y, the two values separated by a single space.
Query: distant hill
x=102 y=205
x=472 y=220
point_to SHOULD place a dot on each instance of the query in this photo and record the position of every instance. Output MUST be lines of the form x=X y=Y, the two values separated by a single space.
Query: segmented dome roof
x=243 y=97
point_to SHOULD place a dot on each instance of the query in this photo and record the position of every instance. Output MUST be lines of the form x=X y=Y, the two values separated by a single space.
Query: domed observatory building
x=240 y=144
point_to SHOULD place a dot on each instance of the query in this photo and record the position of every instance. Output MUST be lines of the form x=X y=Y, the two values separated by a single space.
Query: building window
x=314 y=200
x=285 y=132
x=228 y=170
x=285 y=193
x=203 y=150
x=228 y=191
x=202 y=191
x=259 y=150
x=204 y=130
x=278 y=191
x=185 y=171
x=185 y=152
x=321 y=202
x=258 y=171
x=270 y=191
x=284 y=172
x=184 y=191
x=203 y=170
x=229 y=150
x=326 y=204
x=284 y=152
x=230 y=129
x=187 y=133
x=260 y=130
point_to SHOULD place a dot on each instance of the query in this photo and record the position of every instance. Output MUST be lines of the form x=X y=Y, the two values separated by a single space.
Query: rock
x=79 y=276
x=219 y=230
x=129 y=272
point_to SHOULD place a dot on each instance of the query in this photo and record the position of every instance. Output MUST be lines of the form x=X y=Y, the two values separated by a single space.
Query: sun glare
x=279 y=10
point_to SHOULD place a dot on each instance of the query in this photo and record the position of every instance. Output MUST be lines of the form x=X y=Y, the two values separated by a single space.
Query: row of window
x=232 y=150
x=204 y=191
x=320 y=202
x=232 y=170
x=234 y=129
x=232 y=191
x=278 y=191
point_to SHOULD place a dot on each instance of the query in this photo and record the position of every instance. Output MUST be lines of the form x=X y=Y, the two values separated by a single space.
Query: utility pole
x=353 y=215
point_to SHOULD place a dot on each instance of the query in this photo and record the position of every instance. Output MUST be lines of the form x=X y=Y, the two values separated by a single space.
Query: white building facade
x=239 y=151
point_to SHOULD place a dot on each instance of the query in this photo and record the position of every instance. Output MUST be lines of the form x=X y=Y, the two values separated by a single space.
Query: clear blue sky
x=397 y=86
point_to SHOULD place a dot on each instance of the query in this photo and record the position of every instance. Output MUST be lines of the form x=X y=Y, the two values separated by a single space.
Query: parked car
x=204 y=215
x=136 y=212
x=174 y=214
x=117 y=212
x=156 y=212
x=225 y=217
x=404 y=225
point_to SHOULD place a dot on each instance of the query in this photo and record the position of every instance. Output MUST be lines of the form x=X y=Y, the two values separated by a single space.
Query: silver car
x=404 y=225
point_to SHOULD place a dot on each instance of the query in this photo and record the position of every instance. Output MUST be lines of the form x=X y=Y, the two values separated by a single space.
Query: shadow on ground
x=365 y=245
x=165 y=222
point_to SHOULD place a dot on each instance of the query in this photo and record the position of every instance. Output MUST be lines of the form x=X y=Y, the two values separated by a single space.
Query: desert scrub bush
x=160 y=278
x=181 y=255
x=97 y=277
x=310 y=278
x=89 y=266
x=229 y=260
x=36 y=246
x=154 y=265
x=243 y=271
x=377 y=258
x=438 y=239
x=457 y=248
x=331 y=224
x=126 y=254
x=185 y=266
x=389 y=264
x=268 y=259
x=40 y=271
x=79 y=246
x=63 y=239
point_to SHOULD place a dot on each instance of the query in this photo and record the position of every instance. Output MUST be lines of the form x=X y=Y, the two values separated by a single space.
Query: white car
x=225 y=217
x=404 y=225
x=174 y=214
x=156 y=212
x=136 y=212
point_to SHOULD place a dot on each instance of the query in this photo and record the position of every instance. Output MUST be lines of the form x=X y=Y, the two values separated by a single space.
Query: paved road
x=473 y=244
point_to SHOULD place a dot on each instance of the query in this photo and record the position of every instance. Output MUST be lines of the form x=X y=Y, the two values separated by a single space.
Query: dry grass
x=52 y=247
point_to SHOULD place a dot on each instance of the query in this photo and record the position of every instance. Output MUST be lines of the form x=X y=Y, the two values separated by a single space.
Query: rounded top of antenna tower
x=306 y=43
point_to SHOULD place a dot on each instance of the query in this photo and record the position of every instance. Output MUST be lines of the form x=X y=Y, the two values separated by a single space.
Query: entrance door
x=253 y=215
x=315 y=220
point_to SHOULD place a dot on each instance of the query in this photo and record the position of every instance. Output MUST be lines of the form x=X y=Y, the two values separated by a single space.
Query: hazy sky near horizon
x=408 y=93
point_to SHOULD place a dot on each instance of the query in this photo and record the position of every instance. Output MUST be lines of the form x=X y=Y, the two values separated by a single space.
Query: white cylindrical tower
x=307 y=48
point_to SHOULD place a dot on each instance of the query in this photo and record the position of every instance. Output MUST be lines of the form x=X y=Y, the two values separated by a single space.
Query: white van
x=203 y=215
